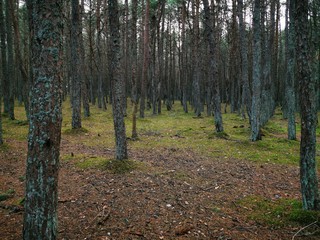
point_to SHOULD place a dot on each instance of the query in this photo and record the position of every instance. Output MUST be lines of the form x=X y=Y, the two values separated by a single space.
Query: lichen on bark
x=40 y=218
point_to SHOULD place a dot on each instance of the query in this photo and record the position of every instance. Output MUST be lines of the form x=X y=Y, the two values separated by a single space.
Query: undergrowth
x=6 y=195
x=85 y=161
x=178 y=130
x=277 y=213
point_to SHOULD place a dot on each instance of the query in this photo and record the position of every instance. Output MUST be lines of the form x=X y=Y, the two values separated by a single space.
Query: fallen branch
x=305 y=227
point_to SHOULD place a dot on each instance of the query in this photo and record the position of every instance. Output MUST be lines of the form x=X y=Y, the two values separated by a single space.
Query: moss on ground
x=179 y=130
x=6 y=195
x=121 y=166
x=91 y=162
x=77 y=131
x=277 y=213
x=110 y=165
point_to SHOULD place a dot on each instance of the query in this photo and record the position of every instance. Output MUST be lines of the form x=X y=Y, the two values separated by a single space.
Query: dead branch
x=305 y=227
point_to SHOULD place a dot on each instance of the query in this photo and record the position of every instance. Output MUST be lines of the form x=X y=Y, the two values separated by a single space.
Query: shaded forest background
x=165 y=55
x=251 y=57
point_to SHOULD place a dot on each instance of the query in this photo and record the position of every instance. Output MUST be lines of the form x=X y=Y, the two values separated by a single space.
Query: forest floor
x=182 y=181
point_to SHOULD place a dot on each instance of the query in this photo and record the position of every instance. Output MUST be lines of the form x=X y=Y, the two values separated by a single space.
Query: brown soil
x=176 y=195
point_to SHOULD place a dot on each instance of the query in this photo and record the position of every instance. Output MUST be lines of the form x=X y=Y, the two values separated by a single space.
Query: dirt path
x=174 y=195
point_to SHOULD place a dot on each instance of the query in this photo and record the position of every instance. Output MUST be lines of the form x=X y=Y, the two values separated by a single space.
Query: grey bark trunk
x=40 y=216
x=256 y=75
x=183 y=74
x=213 y=69
x=99 y=60
x=308 y=165
x=246 y=94
x=134 y=93
x=85 y=81
x=3 y=62
x=76 y=77
x=145 y=60
x=290 y=78
x=24 y=81
x=196 y=59
x=10 y=78
x=118 y=98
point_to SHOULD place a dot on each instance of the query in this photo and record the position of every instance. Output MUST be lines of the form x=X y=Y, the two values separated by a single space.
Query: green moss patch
x=4 y=147
x=277 y=213
x=71 y=131
x=91 y=162
x=222 y=135
x=121 y=166
x=110 y=165
x=6 y=195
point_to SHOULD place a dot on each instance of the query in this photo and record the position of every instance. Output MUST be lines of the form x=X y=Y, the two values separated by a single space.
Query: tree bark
x=3 y=62
x=84 y=79
x=20 y=64
x=10 y=78
x=118 y=98
x=246 y=94
x=308 y=166
x=145 y=60
x=76 y=77
x=40 y=217
x=183 y=74
x=134 y=91
x=91 y=56
x=99 y=60
x=290 y=65
x=256 y=74
x=196 y=59
x=213 y=69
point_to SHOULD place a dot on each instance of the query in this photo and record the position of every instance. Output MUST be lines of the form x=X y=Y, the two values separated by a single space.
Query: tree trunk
x=99 y=59
x=256 y=75
x=196 y=59
x=84 y=73
x=75 y=60
x=91 y=56
x=213 y=69
x=134 y=91
x=153 y=63
x=183 y=74
x=40 y=217
x=145 y=60
x=118 y=98
x=308 y=166
x=10 y=79
x=290 y=78
x=3 y=73
x=67 y=68
x=161 y=76
x=21 y=66
x=246 y=94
